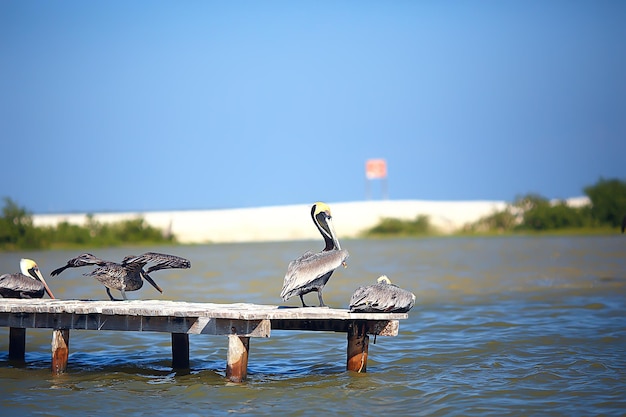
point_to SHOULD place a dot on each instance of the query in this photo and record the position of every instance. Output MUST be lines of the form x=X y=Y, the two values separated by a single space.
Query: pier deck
x=239 y=322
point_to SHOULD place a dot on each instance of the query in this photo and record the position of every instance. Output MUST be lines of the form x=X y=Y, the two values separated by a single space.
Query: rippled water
x=502 y=326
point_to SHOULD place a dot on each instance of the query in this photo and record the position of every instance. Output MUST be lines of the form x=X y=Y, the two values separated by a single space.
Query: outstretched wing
x=81 y=260
x=309 y=267
x=160 y=261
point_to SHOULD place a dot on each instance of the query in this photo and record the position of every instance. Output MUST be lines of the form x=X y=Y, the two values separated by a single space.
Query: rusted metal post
x=17 y=344
x=180 y=351
x=358 y=344
x=60 y=350
x=237 y=360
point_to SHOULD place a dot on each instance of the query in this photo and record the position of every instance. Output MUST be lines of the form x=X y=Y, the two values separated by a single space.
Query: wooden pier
x=239 y=322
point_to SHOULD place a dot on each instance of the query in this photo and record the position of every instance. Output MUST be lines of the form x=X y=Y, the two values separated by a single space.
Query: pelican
x=27 y=284
x=382 y=297
x=127 y=275
x=311 y=271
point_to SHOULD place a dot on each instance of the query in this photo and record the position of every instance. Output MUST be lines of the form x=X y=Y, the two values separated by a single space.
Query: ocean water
x=503 y=326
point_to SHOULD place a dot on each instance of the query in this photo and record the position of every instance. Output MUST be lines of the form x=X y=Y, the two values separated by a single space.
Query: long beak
x=329 y=222
x=43 y=281
x=154 y=284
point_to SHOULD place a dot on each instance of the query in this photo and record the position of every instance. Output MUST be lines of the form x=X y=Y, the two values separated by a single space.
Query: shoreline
x=291 y=222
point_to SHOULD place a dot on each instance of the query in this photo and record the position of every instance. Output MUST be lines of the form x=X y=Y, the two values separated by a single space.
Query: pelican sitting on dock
x=311 y=271
x=127 y=275
x=27 y=284
x=382 y=297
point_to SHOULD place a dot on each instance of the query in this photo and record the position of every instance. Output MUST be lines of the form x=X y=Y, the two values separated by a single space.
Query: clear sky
x=150 y=105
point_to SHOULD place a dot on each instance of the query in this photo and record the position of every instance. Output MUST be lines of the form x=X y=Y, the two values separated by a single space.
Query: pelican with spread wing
x=27 y=284
x=127 y=275
x=311 y=271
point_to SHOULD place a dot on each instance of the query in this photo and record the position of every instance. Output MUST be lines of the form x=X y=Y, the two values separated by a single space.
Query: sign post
x=376 y=169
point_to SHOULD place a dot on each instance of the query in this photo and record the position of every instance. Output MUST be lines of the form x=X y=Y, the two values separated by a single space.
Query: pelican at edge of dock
x=127 y=275
x=311 y=271
x=382 y=297
x=27 y=284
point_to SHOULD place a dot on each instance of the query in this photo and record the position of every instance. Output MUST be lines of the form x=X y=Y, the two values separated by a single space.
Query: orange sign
x=375 y=168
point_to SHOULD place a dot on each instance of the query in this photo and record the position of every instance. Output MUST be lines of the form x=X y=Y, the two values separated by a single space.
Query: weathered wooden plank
x=155 y=308
x=191 y=325
x=379 y=327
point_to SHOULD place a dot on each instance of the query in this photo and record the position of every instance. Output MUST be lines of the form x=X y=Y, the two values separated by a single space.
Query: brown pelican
x=28 y=284
x=127 y=275
x=382 y=297
x=311 y=271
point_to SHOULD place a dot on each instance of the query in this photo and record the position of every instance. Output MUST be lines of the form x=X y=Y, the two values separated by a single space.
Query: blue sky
x=123 y=106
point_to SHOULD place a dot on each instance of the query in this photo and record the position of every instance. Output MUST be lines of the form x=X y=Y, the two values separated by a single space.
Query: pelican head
x=320 y=212
x=30 y=269
x=383 y=280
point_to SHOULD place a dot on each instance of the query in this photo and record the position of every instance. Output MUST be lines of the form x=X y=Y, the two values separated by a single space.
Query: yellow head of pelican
x=383 y=280
x=320 y=212
x=30 y=269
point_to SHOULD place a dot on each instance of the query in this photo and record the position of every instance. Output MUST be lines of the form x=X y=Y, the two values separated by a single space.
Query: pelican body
x=127 y=275
x=311 y=271
x=382 y=297
x=27 y=284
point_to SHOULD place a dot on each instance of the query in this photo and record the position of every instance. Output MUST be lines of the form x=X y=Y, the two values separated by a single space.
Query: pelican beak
x=35 y=273
x=331 y=228
x=154 y=284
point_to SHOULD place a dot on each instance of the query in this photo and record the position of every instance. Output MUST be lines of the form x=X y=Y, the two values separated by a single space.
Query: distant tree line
x=532 y=212
x=398 y=227
x=18 y=232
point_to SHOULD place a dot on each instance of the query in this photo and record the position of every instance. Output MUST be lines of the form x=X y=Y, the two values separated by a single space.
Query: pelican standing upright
x=311 y=271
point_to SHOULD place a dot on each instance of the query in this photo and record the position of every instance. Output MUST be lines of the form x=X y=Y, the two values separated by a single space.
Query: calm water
x=502 y=326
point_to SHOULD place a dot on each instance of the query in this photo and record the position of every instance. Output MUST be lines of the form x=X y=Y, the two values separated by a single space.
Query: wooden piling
x=237 y=358
x=17 y=344
x=358 y=345
x=60 y=350
x=180 y=351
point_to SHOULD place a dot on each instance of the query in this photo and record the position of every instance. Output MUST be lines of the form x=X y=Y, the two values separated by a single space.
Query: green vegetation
x=18 y=232
x=396 y=227
x=533 y=213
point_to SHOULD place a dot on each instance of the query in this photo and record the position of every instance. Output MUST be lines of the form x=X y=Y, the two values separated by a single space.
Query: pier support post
x=60 y=350
x=358 y=345
x=180 y=351
x=237 y=360
x=17 y=344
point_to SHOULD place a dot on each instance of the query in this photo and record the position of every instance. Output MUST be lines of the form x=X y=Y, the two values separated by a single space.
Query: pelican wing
x=160 y=260
x=81 y=260
x=309 y=267
x=108 y=269
x=20 y=286
x=379 y=298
